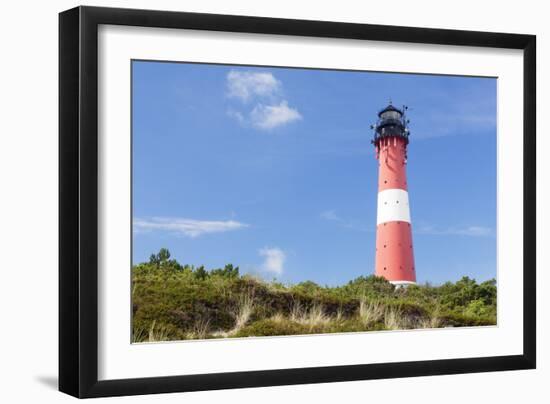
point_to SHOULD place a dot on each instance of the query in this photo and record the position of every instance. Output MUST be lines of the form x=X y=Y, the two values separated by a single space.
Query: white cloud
x=267 y=108
x=473 y=231
x=274 y=260
x=236 y=115
x=187 y=227
x=270 y=116
x=330 y=215
x=246 y=85
x=469 y=231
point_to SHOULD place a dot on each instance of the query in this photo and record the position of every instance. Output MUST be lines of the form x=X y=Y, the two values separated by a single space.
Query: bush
x=271 y=327
x=171 y=301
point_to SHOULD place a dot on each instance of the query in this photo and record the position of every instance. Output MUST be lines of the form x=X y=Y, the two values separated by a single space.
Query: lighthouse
x=394 y=246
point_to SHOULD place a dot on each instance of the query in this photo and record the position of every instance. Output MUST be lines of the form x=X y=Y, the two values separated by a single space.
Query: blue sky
x=272 y=169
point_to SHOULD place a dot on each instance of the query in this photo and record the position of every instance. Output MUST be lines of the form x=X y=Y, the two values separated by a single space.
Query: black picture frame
x=78 y=201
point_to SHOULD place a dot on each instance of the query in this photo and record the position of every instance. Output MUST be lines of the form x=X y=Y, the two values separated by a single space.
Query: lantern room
x=391 y=123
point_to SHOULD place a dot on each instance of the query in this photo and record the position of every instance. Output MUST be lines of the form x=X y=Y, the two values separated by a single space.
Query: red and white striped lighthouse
x=394 y=246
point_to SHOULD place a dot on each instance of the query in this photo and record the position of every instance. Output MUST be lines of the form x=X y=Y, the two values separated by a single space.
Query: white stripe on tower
x=393 y=206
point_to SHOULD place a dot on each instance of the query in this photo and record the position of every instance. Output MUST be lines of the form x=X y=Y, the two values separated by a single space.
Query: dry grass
x=339 y=315
x=431 y=322
x=296 y=313
x=394 y=319
x=200 y=330
x=244 y=310
x=370 y=312
x=139 y=336
x=317 y=316
x=434 y=321
x=314 y=317
x=157 y=334
x=242 y=314
x=278 y=318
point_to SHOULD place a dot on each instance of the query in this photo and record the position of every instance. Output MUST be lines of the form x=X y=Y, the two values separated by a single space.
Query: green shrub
x=271 y=327
x=171 y=301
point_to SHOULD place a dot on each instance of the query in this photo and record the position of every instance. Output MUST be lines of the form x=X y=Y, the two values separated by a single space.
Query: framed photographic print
x=251 y=201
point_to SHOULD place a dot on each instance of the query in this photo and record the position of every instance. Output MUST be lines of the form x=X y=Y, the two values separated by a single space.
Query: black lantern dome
x=391 y=123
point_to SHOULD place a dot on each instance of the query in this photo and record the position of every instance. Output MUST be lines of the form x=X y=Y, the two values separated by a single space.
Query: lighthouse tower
x=394 y=246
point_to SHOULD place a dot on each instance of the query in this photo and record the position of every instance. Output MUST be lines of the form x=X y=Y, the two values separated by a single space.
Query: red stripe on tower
x=394 y=247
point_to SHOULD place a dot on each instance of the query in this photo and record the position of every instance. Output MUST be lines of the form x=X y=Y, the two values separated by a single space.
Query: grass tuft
x=370 y=312
x=157 y=334
x=245 y=308
x=200 y=330
x=394 y=319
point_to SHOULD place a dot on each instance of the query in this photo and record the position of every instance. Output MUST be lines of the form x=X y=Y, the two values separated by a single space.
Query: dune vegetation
x=171 y=301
